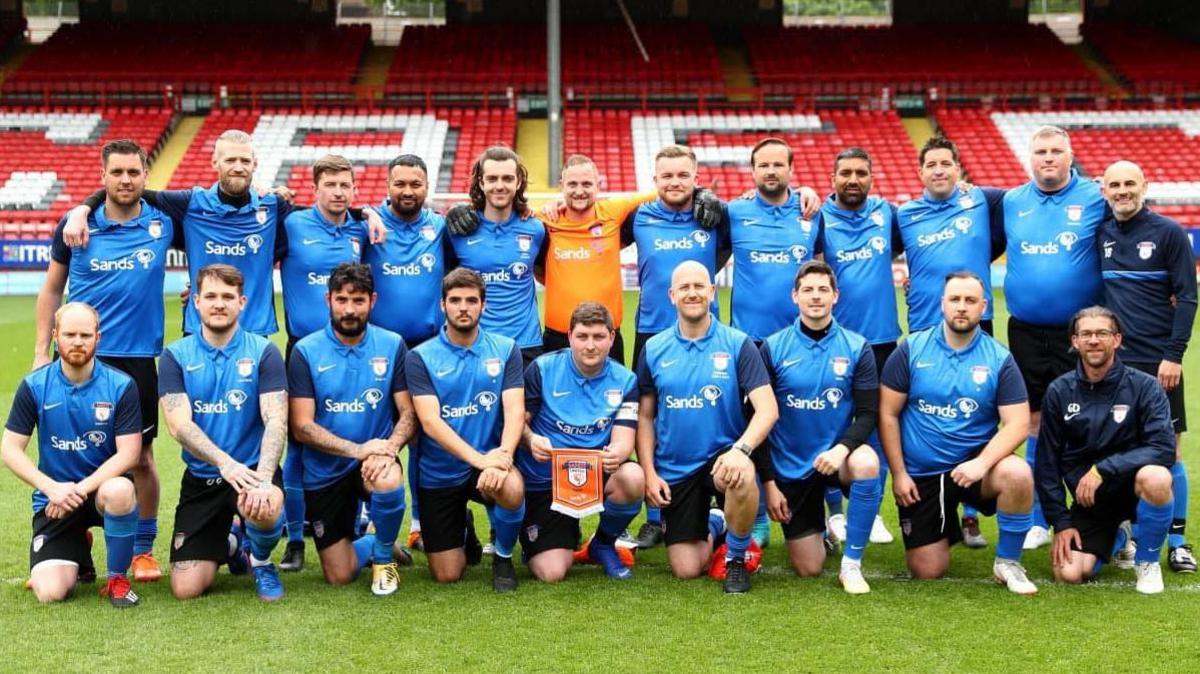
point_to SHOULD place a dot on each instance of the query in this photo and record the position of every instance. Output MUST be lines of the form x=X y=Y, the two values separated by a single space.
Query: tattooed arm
x=273 y=408
x=177 y=409
x=306 y=430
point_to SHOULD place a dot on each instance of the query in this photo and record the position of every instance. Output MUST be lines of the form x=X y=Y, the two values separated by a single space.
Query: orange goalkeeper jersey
x=583 y=260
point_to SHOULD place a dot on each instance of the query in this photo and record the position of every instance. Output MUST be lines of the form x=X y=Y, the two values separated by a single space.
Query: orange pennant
x=578 y=482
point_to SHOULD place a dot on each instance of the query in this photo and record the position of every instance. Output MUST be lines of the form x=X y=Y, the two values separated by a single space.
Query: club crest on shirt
x=180 y=537
x=356 y=246
x=841 y=365
x=1075 y=212
x=379 y=366
x=155 y=228
x=260 y=216
x=102 y=411
x=1119 y=412
x=597 y=230
x=492 y=367
x=428 y=233
x=720 y=361
x=805 y=225
x=245 y=367
x=979 y=374
x=531 y=532
x=613 y=397
x=524 y=242
x=1145 y=249
x=877 y=218
x=966 y=201
x=38 y=542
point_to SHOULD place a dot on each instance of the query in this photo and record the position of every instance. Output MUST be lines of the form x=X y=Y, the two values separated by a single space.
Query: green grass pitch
x=588 y=623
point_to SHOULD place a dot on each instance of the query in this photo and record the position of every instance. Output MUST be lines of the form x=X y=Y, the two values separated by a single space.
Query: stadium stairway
x=736 y=72
x=919 y=130
x=1112 y=85
x=15 y=56
x=173 y=151
x=373 y=71
x=531 y=145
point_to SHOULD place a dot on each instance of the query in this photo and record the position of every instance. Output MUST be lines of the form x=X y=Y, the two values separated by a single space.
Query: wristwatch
x=743 y=447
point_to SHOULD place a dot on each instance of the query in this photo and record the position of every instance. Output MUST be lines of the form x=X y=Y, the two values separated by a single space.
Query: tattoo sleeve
x=318 y=437
x=273 y=408
x=188 y=433
x=402 y=432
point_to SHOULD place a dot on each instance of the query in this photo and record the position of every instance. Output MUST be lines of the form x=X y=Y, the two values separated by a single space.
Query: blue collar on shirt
x=1109 y=379
x=62 y=376
x=939 y=338
x=1060 y=194
x=216 y=353
x=460 y=351
x=102 y=221
x=700 y=342
x=214 y=194
x=391 y=219
x=581 y=378
x=499 y=227
x=850 y=215
x=345 y=350
x=793 y=201
x=834 y=328
x=665 y=212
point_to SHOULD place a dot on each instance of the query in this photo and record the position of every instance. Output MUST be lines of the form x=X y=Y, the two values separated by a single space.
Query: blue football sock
x=362 y=551
x=263 y=541
x=883 y=464
x=387 y=512
x=1119 y=541
x=1097 y=567
x=1013 y=527
x=716 y=525
x=865 y=496
x=491 y=514
x=1154 y=521
x=1179 y=488
x=615 y=518
x=737 y=545
x=653 y=515
x=119 y=532
x=147 y=531
x=1039 y=520
x=833 y=500
x=969 y=511
x=507 y=525
x=760 y=517
x=293 y=512
x=293 y=492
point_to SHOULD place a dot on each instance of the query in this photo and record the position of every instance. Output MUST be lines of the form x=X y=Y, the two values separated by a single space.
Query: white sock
x=255 y=562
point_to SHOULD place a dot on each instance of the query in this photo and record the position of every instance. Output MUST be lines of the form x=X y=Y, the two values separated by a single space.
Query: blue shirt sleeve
x=272 y=376
x=1010 y=386
x=60 y=252
x=764 y=352
x=1181 y=270
x=995 y=202
x=417 y=375
x=865 y=374
x=399 y=381
x=514 y=370
x=819 y=244
x=128 y=417
x=896 y=375
x=170 y=375
x=644 y=377
x=23 y=417
x=300 y=384
x=533 y=389
x=173 y=202
x=751 y=373
x=631 y=398
x=897 y=239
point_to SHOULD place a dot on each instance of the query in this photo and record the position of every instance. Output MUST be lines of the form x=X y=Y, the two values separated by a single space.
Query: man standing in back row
x=1150 y=284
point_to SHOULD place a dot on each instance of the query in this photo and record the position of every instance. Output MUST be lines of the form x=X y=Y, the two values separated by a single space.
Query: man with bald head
x=693 y=440
x=89 y=425
x=1150 y=284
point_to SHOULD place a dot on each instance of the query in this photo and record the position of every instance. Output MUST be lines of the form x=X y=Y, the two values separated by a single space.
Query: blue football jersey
x=665 y=239
x=408 y=268
x=859 y=246
x=314 y=247
x=572 y=410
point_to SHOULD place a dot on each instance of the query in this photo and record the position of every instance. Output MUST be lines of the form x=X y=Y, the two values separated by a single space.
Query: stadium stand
x=79 y=58
x=1149 y=60
x=994 y=147
x=722 y=142
x=288 y=141
x=11 y=28
x=48 y=160
x=597 y=60
x=956 y=59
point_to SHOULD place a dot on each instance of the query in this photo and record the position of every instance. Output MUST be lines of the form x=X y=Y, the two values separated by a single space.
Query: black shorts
x=806 y=501
x=882 y=352
x=1178 y=408
x=530 y=354
x=545 y=529
x=553 y=340
x=203 y=518
x=686 y=518
x=444 y=513
x=1042 y=354
x=1116 y=501
x=145 y=375
x=639 y=345
x=333 y=509
x=65 y=539
x=935 y=516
